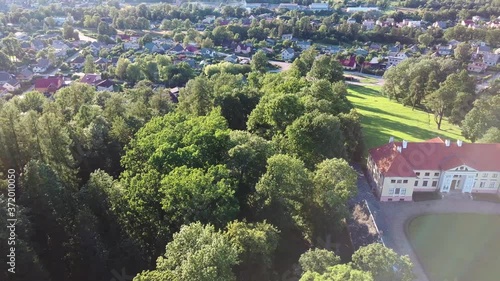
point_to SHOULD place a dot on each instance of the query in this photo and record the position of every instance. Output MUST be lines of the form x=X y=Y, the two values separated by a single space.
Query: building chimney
x=391 y=139
x=399 y=148
x=447 y=142
x=405 y=144
x=459 y=143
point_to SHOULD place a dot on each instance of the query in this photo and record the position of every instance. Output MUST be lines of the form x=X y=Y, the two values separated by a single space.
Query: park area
x=383 y=118
x=457 y=247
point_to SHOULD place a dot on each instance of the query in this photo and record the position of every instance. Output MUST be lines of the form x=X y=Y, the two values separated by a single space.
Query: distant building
x=316 y=7
x=288 y=36
x=49 y=85
x=289 y=6
x=41 y=66
x=477 y=67
x=287 y=54
x=368 y=24
x=361 y=9
x=8 y=82
x=349 y=64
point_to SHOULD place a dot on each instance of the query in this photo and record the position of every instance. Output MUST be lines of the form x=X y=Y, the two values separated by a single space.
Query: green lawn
x=383 y=118
x=457 y=247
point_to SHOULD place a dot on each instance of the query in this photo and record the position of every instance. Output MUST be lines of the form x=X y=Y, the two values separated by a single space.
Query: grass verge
x=383 y=118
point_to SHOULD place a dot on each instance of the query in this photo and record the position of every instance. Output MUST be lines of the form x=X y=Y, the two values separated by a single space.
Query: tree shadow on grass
x=365 y=91
x=378 y=130
x=380 y=111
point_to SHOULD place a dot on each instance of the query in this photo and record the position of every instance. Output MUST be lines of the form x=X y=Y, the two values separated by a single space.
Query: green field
x=457 y=247
x=383 y=118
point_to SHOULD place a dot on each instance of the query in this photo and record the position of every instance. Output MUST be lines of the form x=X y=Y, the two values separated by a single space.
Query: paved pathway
x=391 y=217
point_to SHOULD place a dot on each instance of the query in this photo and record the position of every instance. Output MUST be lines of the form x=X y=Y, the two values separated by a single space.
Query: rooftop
x=434 y=154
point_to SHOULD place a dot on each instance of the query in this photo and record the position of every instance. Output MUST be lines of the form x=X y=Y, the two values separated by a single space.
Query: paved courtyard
x=391 y=217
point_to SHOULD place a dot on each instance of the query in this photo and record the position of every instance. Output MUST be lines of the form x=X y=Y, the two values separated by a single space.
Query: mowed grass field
x=457 y=247
x=383 y=118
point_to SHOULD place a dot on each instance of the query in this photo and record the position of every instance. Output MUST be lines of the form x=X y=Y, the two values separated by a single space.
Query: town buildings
x=398 y=169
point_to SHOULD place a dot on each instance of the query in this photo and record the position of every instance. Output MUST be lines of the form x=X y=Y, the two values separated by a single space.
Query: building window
x=417 y=173
x=391 y=191
x=403 y=191
x=425 y=183
x=427 y=174
x=492 y=184
x=495 y=176
x=436 y=174
x=399 y=181
x=405 y=181
x=485 y=175
x=434 y=183
x=461 y=168
x=416 y=183
x=397 y=191
x=393 y=181
x=482 y=184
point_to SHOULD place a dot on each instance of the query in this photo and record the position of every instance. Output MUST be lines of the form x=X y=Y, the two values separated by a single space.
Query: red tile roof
x=433 y=154
x=45 y=83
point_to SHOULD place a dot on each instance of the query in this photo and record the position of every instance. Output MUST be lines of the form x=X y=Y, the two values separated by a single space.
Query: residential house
x=287 y=36
x=91 y=79
x=131 y=45
x=77 y=62
x=49 y=85
x=60 y=48
x=353 y=10
x=490 y=59
x=400 y=169
x=24 y=75
x=287 y=54
x=105 y=85
x=177 y=49
x=368 y=24
x=242 y=49
x=3 y=92
x=395 y=60
x=41 y=66
x=317 y=7
x=270 y=42
x=481 y=50
x=289 y=6
x=477 y=67
x=453 y=43
x=102 y=63
x=411 y=23
x=360 y=52
x=394 y=50
x=349 y=64
x=440 y=24
x=468 y=23
x=332 y=50
x=445 y=50
x=303 y=45
x=351 y=21
x=206 y=52
x=8 y=81
x=37 y=44
x=152 y=48
x=231 y=58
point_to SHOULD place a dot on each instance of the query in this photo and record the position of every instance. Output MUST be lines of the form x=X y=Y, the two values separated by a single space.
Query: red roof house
x=400 y=168
x=49 y=85
x=349 y=63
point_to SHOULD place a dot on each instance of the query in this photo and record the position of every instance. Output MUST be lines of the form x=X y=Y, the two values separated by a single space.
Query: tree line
x=228 y=178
